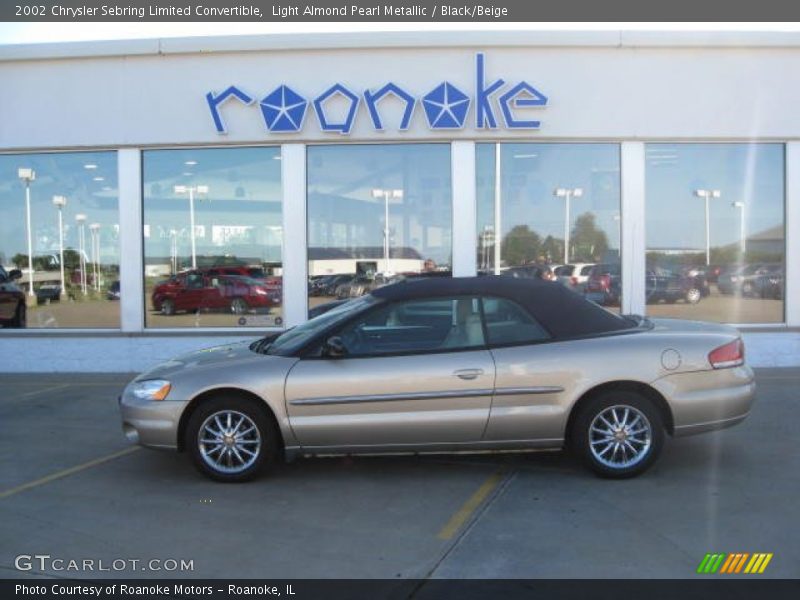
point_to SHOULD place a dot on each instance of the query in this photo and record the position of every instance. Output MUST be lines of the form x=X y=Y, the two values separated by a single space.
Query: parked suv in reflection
x=12 y=299
x=198 y=290
x=661 y=284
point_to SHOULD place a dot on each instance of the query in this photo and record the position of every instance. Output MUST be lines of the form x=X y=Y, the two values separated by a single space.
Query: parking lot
x=72 y=488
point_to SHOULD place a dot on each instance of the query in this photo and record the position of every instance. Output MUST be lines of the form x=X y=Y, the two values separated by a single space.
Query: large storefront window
x=715 y=232
x=212 y=237
x=558 y=207
x=376 y=214
x=59 y=248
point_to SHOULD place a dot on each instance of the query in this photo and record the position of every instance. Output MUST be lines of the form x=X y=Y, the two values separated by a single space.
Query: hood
x=204 y=358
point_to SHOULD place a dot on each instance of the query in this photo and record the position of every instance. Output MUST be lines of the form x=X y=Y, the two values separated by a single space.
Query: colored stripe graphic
x=724 y=563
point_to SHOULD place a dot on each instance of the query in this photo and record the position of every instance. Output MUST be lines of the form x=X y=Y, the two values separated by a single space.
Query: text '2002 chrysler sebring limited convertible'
x=442 y=365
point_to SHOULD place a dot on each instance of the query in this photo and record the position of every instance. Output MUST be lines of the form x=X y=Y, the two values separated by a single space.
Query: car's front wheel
x=618 y=434
x=231 y=439
x=167 y=307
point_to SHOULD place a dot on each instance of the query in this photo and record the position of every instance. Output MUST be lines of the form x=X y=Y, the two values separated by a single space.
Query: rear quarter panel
x=577 y=366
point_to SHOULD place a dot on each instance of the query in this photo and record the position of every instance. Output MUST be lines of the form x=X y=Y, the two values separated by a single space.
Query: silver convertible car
x=443 y=365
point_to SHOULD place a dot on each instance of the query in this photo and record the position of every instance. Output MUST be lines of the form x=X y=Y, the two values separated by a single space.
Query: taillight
x=729 y=355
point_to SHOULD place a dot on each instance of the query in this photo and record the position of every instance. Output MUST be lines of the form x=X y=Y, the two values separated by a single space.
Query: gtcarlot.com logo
x=736 y=562
x=45 y=562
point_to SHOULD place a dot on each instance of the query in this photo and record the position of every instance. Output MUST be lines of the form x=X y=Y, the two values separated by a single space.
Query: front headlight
x=152 y=389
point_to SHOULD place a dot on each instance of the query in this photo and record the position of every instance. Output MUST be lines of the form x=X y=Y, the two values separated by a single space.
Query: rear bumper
x=707 y=400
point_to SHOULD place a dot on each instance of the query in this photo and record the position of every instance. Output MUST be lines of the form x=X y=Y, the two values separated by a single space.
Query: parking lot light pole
x=707 y=195
x=28 y=175
x=81 y=220
x=567 y=194
x=192 y=190
x=94 y=229
x=739 y=205
x=60 y=202
x=386 y=194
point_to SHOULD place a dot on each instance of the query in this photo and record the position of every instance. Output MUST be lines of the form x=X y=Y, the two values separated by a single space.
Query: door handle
x=468 y=373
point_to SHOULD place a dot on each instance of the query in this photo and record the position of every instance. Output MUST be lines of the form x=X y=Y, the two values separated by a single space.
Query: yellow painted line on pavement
x=67 y=472
x=463 y=514
x=48 y=389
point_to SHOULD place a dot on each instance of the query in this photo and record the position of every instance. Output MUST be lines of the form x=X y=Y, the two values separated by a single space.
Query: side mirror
x=14 y=274
x=334 y=347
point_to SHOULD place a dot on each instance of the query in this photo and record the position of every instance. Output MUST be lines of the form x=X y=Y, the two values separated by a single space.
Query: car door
x=533 y=376
x=190 y=295
x=414 y=373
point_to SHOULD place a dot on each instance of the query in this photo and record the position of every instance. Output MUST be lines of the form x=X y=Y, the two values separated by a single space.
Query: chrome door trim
x=537 y=389
x=392 y=397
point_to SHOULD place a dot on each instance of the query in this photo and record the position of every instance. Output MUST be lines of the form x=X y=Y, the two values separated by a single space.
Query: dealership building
x=160 y=196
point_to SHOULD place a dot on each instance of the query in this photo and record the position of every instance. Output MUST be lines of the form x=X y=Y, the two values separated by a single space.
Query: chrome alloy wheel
x=620 y=437
x=229 y=441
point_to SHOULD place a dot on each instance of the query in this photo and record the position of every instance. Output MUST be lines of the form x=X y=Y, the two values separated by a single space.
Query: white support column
x=792 y=215
x=465 y=210
x=131 y=264
x=633 y=230
x=295 y=247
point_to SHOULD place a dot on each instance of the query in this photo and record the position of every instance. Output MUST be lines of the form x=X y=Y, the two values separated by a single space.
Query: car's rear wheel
x=20 y=319
x=167 y=307
x=693 y=295
x=238 y=306
x=231 y=439
x=618 y=434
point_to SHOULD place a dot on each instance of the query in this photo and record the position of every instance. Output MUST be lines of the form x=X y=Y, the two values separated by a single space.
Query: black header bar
x=388 y=11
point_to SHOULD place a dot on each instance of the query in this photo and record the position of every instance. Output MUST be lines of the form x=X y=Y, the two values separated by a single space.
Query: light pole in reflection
x=173 y=250
x=567 y=194
x=386 y=194
x=742 y=240
x=618 y=219
x=27 y=176
x=192 y=190
x=94 y=230
x=707 y=195
x=81 y=220
x=60 y=202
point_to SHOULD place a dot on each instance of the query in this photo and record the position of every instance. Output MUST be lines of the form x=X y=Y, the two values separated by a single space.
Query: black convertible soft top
x=561 y=311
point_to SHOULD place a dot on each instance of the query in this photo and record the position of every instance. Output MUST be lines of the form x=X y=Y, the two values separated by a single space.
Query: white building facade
x=647 y=155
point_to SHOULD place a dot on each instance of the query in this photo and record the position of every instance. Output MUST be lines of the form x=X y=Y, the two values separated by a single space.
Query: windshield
x=293 y=339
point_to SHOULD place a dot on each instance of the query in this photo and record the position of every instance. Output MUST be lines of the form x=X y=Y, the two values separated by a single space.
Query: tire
x=693 y=295
x=747 y=289
x=167 y=307
x=587 y=441
x=20 y=319
x=239 y=306
x=261 y=437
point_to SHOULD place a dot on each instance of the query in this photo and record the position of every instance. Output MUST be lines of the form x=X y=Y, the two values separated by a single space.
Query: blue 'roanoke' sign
x=445 y=106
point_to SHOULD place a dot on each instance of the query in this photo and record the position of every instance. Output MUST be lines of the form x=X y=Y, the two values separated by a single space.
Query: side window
x=416 y=326
x=194 y=281
x=508 y=323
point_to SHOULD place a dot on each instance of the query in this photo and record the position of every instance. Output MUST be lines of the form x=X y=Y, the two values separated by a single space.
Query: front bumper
x=707 y=400
x=150 y=423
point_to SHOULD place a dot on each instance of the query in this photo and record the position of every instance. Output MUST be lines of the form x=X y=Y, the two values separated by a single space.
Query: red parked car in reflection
x=205 y=290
